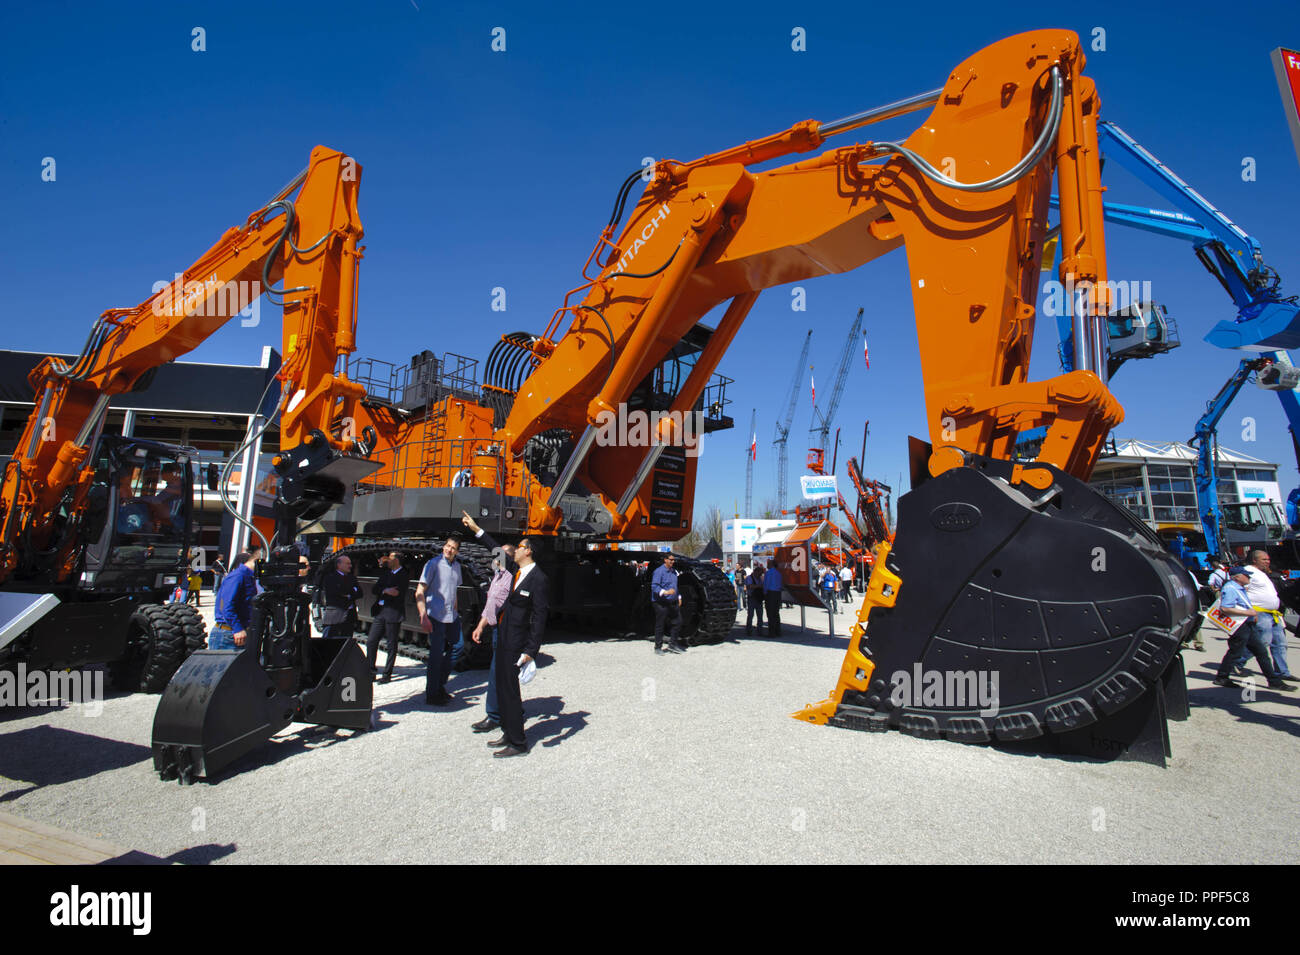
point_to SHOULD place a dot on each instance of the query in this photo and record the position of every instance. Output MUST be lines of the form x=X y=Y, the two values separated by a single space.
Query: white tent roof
x=775 y=535
x=1177 y=451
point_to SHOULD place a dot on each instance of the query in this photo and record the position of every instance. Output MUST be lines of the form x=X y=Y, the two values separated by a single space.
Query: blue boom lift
x=1267 y=323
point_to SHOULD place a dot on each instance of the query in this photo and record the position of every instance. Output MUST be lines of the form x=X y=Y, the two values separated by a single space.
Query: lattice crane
x=821 y=426
x=783 y=424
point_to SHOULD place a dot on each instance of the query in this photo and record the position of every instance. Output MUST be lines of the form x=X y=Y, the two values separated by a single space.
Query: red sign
x=1286 y=64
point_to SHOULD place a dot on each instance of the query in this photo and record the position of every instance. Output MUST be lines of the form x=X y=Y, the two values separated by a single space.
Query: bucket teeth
x=1013 y=726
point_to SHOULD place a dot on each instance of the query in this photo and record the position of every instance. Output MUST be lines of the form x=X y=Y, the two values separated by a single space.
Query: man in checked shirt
x=503 y=568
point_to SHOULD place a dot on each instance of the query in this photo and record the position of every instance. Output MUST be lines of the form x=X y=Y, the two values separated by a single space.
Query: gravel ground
x=644 y=758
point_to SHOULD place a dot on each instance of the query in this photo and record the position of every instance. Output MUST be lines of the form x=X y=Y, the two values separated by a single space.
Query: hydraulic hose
x=1031 y=159
x=612 y=359
x=225 y=471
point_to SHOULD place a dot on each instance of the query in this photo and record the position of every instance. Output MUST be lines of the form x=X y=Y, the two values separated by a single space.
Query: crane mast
x=783 y=423
x=822 y=420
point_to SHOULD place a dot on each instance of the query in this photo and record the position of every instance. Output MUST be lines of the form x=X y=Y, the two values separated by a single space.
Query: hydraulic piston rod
x=879 y=113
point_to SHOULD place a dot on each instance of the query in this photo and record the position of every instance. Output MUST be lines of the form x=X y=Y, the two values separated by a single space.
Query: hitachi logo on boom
x=647 y=230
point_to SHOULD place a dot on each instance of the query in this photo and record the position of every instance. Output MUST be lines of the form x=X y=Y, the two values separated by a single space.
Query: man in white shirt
x=436 y=599
x=1263 y=597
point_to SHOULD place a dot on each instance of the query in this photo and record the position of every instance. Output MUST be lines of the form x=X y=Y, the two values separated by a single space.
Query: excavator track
x=475 y=557
x=715 y=612
x=708 y=599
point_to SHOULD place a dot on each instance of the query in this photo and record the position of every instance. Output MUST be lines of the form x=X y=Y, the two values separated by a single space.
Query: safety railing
x=423 y=381
x=437 y=462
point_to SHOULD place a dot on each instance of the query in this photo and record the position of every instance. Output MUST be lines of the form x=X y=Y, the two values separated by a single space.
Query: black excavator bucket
x=342 y=693
x=220 y=705
x=1012 y=607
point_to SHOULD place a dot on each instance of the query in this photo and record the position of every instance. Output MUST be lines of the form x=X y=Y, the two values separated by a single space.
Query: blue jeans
x=221 y=638
x=441 y=642
x=1272 y=633
x=493 y=713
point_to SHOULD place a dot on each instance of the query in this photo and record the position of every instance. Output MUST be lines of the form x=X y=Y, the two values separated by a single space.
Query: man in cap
x=1234 y=602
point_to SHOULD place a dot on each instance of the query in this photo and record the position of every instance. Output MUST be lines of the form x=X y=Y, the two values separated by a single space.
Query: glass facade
x=1125 y=486
x=1173 y=493
x=1172 y=488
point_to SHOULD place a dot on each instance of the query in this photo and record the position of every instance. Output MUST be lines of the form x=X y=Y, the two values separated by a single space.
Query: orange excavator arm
x=967 y=195
x=301 y=251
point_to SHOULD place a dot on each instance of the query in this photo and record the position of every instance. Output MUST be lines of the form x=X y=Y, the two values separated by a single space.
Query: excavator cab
x=134 y=534
x=139 y=516
x=1141 y=330
x=1250 y=525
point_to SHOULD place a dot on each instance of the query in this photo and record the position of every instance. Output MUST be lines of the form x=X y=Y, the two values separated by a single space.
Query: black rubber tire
x=157 y=646
x=190 y=622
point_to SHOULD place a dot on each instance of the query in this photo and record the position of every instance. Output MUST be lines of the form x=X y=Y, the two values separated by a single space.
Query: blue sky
x=486 y=169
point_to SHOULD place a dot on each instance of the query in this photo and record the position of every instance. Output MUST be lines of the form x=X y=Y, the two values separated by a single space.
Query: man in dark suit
x=341 y=591
x=523 y=618
x=389 y=610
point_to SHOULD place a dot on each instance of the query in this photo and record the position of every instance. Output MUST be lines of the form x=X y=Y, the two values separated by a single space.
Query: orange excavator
x=95 y=527
x=589 y=436
x=1004 y=567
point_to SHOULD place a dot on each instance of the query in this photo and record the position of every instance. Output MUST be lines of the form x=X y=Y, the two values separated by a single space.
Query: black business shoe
x=659 y=650
x=485 y=726
x=1289 y=677
x=498 y=742
x=1225 y=682
x=1282 y=687
x=387 y=677
x=678 y=648
x=508 y=750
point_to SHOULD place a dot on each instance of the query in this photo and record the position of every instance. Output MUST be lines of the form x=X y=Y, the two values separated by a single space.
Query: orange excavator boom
x=307 y=245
